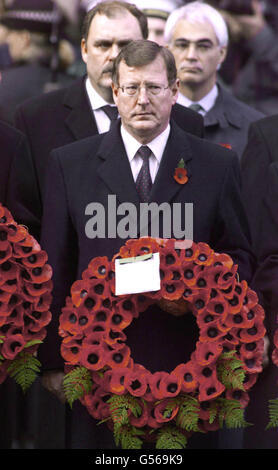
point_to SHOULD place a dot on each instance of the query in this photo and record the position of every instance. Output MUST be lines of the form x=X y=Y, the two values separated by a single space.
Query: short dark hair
x=111 y=10
x=143 y=52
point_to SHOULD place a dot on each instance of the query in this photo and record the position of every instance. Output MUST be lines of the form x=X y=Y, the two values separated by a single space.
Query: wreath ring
x=136 y=403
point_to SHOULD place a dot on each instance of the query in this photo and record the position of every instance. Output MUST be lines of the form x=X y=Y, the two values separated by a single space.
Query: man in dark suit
x=198 y=37
x=260 y=152
x=79 y=111
x=12 y=143
x=145 y=88
x=260 y=196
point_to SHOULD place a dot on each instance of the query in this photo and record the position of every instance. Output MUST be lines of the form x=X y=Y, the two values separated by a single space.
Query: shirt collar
x=207 y=102
x=96 y=100
x=157 y=145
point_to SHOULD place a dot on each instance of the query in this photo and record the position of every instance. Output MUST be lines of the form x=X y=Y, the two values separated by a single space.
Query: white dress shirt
x=207 y=102
x=96 y=101
x=157 y=147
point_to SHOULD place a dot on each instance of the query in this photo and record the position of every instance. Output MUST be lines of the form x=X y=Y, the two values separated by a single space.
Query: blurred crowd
x=40 y=53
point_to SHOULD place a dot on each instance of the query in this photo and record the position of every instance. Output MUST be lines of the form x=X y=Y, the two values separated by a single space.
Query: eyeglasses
x=151 y=89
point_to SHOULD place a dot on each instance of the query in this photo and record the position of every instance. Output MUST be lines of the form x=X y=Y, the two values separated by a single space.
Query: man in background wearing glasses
x=136 y=162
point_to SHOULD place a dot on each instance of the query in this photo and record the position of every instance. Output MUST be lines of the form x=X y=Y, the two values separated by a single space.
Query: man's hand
x=53 y=382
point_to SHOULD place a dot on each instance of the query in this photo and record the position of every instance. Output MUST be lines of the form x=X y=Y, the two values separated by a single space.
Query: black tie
x=144 y=181
x=196 y=107
x=111 y=112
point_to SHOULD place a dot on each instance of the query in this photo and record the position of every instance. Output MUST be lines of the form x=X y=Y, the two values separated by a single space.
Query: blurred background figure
x=251 y=66
x=33 y=56
x=197 y=35
x=156 y=11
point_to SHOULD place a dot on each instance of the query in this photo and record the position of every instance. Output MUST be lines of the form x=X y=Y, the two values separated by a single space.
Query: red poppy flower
x=35 y=259
x=93 y=357
x=12 y=346
x=170 y=385
x=212 y=332
x=254 y=364
x=116 y=380
x=172 y=290
x=141 y=420
x=207 y=353
x=238 y=395
x=71 y=349
x=118 y=358
x=228 y=146
x=188 y=375
x=256 y=332
x=164 y=413
x=142 y=246
x=136 y=384
x=210 y=389
x=155 y=381
x=99 y=267
x=205 y=256
x=180 y=175
x=250 y=380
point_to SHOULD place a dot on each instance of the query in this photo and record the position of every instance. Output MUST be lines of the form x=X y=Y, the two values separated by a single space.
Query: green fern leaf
x=128 y=437
x=170 y=437
x=230 y=371
x=24 y=369
x=76 y=383
x=273 y=413
x=188 y=414
x=232 y=414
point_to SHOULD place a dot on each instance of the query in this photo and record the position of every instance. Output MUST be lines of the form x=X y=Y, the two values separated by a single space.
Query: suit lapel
x=115 y=168
x=165 y=187
x=80 y=120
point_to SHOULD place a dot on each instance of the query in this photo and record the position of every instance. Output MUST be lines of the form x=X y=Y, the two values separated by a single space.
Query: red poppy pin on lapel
x=180 y=175
x=228 y=146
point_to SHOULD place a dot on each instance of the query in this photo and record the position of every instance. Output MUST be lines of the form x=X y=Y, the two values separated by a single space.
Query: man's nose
x=114 y=51
x=143 y=97
x=191 y=52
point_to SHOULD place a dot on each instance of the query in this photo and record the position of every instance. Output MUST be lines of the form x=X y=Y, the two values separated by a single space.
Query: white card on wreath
x=136 y=275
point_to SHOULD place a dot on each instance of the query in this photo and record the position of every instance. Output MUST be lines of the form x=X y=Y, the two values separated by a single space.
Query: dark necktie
x=111 y=112
x=144 y=181
x=196 y=107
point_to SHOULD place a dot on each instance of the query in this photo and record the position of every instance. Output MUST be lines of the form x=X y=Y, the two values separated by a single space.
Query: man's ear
x=223 y=54
x=175 y=90
x=115 y=91
x=84 y=51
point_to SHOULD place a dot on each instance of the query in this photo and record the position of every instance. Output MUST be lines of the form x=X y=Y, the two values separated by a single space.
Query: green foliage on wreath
x=124 y=434
x=25 y=367
x=170 y=437
x=273 y=413
x=229 y=413
x=188 y=414
x=230 y=371
x=76 y=383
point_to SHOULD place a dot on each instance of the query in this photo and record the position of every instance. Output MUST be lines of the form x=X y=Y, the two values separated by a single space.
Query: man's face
x=197 y=53
x=156 y=28
x=145 y=115
x=105 y=39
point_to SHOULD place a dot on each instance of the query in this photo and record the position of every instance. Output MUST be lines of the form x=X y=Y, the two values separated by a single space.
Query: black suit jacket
x=53 y=120
x=91 y=169
x=13 y=144
x=260 y=152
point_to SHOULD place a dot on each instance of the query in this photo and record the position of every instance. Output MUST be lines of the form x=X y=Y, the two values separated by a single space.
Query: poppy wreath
x=25 y=297
x=273 y=403
x=203 y=394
